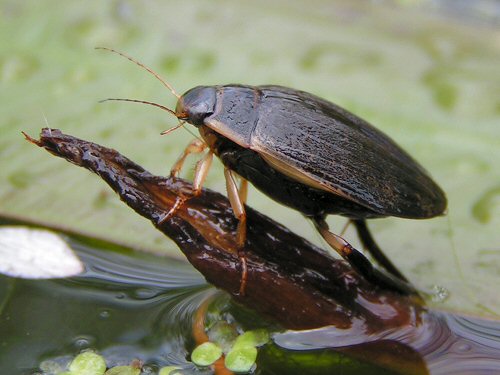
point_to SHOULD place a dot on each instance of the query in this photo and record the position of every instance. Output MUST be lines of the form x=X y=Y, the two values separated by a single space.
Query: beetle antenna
x=151 y=71
x=193 y=134
x=139 y=101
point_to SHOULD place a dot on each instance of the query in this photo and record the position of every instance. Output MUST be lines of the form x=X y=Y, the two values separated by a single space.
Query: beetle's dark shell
x=315 y=140
x=308 y=200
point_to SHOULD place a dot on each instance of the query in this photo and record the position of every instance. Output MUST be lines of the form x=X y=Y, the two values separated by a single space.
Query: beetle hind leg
x=237 y=198
x=369 y=243
x=359 y=262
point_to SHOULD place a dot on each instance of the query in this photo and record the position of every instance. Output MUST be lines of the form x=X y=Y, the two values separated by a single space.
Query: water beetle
x=308 y=154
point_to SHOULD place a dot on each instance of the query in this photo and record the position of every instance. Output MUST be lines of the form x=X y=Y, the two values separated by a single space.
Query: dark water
x=132 y=305
x=126 y=305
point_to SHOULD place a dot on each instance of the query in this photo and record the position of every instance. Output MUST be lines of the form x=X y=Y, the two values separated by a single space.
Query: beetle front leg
x=196 y=146
x=200 y=174
x=360 y=263
x=235 y=198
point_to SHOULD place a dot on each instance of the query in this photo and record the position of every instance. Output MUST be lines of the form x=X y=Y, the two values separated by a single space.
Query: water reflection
x=137 y=306
x=448 y=343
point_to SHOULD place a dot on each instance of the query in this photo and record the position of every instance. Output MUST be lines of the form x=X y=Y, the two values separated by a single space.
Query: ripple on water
x=449 y=344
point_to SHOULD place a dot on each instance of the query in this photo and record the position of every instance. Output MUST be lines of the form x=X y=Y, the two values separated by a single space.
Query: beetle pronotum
x=309 y=154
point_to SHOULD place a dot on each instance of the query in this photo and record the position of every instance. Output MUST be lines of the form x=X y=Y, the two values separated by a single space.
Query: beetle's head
x=196 y=104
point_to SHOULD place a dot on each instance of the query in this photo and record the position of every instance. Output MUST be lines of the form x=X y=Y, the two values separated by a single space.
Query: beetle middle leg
x=243 y=190
x=359 y=262
x=237 y=199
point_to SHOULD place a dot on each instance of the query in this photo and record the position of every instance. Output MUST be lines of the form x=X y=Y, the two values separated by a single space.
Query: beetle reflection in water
x=308 y=154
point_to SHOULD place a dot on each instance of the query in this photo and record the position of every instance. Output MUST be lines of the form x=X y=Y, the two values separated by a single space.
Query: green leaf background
x=428 y=79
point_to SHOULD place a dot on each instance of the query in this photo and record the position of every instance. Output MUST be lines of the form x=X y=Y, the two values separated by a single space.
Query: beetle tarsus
x=179 y=202
x=360 y=263
x=241 y=239
x=387 y=281
x=369 y=243
x=244 y=272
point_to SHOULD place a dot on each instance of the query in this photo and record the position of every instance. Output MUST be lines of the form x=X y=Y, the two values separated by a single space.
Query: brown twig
x=289 y=279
